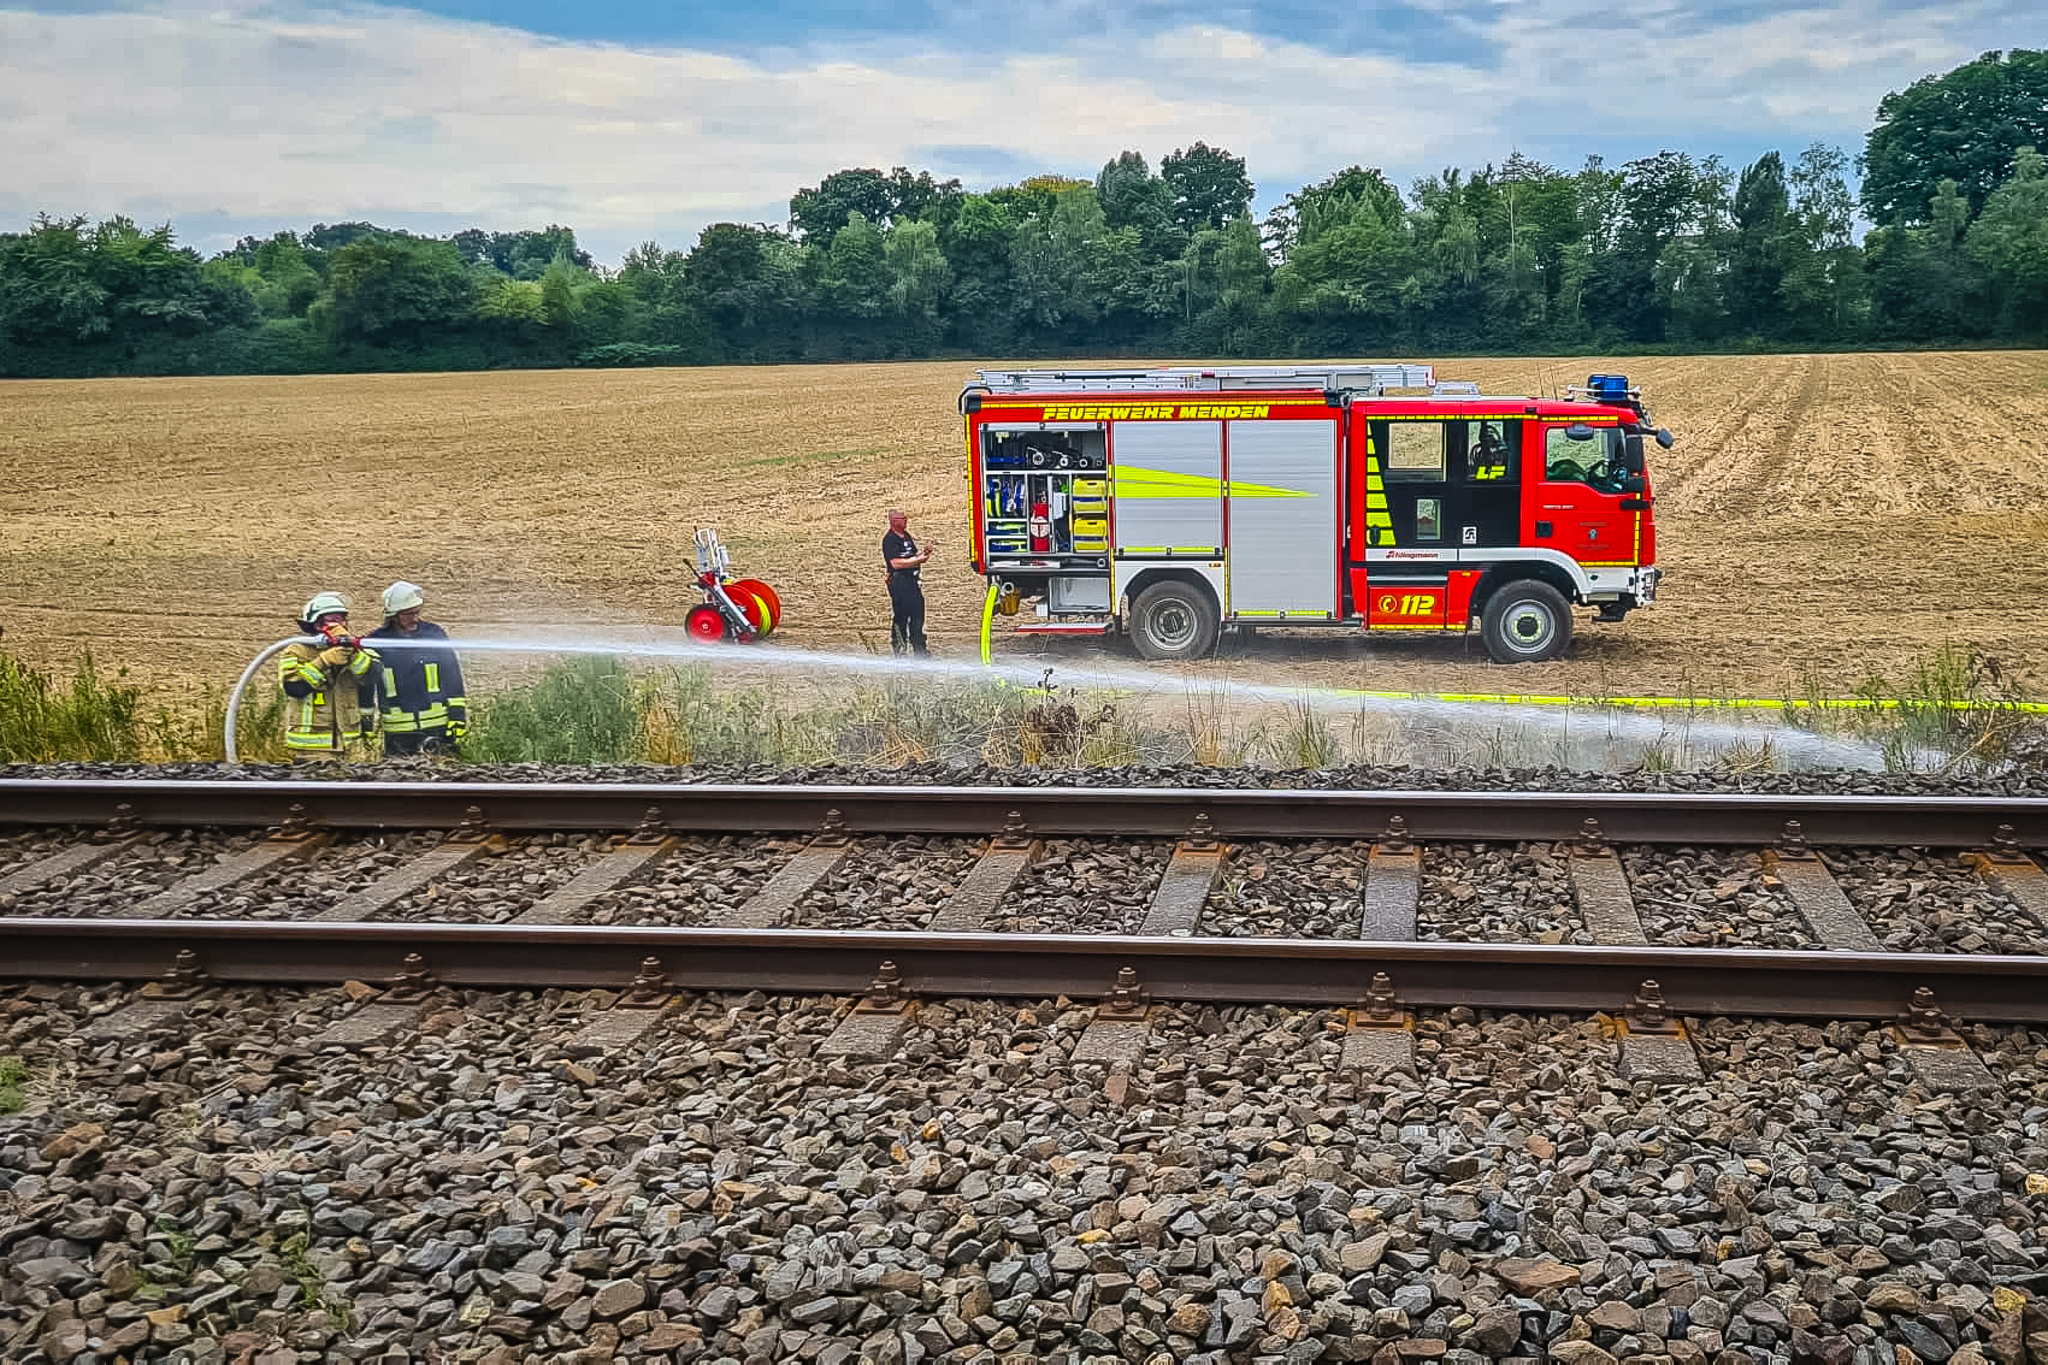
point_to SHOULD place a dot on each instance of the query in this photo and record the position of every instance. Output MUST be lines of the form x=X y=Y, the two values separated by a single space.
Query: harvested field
x=1823 y=518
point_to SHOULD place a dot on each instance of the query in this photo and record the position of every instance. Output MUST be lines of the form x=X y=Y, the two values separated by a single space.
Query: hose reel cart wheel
x=704 y=623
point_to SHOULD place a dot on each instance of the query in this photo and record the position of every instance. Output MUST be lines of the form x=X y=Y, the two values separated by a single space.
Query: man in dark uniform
x=423 y=705
x=906 y=594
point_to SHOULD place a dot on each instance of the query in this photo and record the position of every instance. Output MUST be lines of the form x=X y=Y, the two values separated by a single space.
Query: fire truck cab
x=1173 y=502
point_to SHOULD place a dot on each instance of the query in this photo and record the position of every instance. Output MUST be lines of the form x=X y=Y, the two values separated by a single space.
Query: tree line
x=1669 y=250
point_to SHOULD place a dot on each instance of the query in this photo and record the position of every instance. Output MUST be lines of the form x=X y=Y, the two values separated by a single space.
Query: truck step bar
x=1065 y=627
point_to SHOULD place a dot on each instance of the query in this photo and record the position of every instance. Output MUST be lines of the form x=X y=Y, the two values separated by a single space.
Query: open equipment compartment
x=1045 y=493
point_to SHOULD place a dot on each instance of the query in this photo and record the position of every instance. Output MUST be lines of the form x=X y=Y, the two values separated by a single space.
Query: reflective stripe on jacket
x=326 y=718
x=419 y=689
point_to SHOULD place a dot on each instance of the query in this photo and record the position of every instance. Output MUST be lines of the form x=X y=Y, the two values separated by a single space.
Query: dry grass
x=1823 y=518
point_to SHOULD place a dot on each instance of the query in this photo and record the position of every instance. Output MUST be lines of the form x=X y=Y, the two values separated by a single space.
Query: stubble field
x=1823 y=518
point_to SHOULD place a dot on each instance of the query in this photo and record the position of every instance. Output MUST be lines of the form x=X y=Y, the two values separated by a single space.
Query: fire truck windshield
x=1595 y=460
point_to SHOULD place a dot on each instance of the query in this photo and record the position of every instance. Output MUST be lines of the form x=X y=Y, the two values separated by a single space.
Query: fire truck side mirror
x=1665 y=439
x=1632 y=454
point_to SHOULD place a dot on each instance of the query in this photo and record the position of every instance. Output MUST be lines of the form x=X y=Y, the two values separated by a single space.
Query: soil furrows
x=1972 y=442
x=1705 y=415
x=1729 y=457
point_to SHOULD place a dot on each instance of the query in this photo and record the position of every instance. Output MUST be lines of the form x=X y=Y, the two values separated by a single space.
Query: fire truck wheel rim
x=1530 y=626
x=1174 y=625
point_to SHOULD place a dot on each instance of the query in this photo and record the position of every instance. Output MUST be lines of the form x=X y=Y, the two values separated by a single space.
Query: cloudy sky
x=635 y=120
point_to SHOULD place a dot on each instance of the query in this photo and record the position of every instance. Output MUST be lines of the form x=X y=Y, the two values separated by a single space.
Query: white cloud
x=300 y=113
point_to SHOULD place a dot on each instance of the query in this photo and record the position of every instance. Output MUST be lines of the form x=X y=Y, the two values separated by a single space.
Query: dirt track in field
x=1822 y=519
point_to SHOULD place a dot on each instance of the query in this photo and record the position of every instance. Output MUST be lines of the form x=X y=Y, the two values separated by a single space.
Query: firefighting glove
x=335 y=656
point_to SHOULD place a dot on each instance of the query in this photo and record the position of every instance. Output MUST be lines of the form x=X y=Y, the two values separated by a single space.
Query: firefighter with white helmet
x=328 y=687
x=421 y=704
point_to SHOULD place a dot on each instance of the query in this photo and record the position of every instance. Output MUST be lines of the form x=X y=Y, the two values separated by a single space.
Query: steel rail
x=1694 y=981
x=1663 y=818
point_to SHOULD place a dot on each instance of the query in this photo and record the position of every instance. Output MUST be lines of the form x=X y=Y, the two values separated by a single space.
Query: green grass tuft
x=93 y=720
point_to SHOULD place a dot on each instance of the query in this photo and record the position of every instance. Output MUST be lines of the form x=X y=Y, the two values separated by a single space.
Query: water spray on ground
x=1413 y=730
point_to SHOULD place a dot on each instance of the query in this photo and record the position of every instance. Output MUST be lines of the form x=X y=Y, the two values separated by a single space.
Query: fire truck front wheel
x=1174 y=620
x=1526 y=622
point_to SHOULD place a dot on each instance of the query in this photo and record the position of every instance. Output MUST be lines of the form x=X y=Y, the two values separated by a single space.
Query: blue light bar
x=1608 y=388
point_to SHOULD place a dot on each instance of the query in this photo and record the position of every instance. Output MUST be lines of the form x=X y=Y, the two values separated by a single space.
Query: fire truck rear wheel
x=1526 y=622
x=1174 y=620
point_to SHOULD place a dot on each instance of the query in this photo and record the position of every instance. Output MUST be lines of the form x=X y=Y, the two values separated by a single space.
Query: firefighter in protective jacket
x=420 y=697
x=328 y=687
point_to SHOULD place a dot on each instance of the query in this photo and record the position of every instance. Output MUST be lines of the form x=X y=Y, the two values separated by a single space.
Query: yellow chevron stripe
x=1137 y=482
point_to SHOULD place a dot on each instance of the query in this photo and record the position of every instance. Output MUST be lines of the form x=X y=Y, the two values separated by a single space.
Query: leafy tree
x=1234 y=323
x=1924 y=284
x=392 y=289
x=918 y=275
x=1132 y=197
x=978 y=247
x=914 y=198
x=513 y=308
x=322 y=237
x=1209 y=186
x=1689 y=289
x=522 y=255
x=284 y=281
x=746 y=282
x=1825 y=285
x=559 y=305
x=1332 y=203
x=607 y=311
x=49 y=290
x=663 y=309
x=1765 y=240
x=1528 y=215
x=855 y=281
x=1658 y=200
x=1966 y=125
x=1049 y=257
x=116 y=282
x=1341 y=286
x=1447 y=240
x=818 y=212
x=2009 y=241
x=654 y=278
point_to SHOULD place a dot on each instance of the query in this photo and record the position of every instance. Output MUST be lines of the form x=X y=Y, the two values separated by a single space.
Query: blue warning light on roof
x=1608 y=388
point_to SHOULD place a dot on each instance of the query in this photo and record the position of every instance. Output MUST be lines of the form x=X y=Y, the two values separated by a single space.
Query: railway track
x=743 y=1126
x=196 y=919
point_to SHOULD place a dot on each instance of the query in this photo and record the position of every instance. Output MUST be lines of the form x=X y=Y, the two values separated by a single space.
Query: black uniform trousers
x=906 y=606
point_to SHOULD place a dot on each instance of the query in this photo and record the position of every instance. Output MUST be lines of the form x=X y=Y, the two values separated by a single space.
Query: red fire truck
x=1173 y=502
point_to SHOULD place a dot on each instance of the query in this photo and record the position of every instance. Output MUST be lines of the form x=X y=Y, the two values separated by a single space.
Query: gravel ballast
x=1079 y=887
x=478 y=1191
x=1498 y=893
x=2030 y=780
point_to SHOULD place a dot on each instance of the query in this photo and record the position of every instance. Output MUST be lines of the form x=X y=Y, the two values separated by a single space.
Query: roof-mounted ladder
x=1330 y=378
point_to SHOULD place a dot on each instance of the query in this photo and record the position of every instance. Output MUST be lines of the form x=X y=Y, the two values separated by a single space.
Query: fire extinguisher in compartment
x=1040 y=528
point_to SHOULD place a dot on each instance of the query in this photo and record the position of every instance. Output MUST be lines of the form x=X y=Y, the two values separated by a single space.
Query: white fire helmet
x=324 y=604
x=402 y=596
